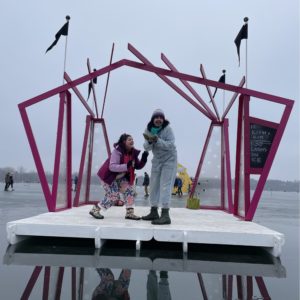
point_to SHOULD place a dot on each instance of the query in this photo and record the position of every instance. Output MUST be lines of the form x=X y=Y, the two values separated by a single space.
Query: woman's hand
x=130 y=164
x=144 y=156
x=146 y=136
x=150 y=138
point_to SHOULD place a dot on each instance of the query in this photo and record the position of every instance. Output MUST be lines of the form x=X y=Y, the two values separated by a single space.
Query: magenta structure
x=257 y=139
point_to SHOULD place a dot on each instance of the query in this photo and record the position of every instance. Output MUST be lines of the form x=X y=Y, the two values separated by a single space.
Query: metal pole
x=246 y=75
x=66 y=46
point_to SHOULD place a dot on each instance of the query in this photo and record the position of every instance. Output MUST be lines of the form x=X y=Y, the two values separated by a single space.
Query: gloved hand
x=146 y=136
x=154 y=139
x=130 y=164
x=144 y=156
x=150 y=138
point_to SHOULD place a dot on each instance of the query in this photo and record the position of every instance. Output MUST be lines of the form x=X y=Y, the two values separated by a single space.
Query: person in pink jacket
x=117 y=177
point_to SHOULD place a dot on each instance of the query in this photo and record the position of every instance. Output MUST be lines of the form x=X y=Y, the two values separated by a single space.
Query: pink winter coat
x=115 y=165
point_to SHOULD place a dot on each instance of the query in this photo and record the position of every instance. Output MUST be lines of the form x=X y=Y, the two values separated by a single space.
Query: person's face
x=158 y=121
x=129 y=143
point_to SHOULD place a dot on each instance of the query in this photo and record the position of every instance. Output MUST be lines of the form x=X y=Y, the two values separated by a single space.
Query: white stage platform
x=188 y=226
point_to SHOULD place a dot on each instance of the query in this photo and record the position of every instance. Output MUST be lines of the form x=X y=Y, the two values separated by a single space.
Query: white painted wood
x=188 y=226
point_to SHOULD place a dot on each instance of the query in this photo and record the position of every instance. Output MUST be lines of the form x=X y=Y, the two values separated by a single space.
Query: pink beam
x=59 y=282
x=73 y=282
x=232 y=99
x=246 y=152
x=209 y=92
x=93 y=88
x=201 y=160
x=90 y=161
x=102 y=122
x=78 y=94
x=249 y=287
x=72 y=84
x=106 y=138
x=107 y=79
x=202 y=286
x=31 y=283
x=46 y=283
x=82 y=161
x=268 y=163
x=239 y=287
x=36 y=158
x=59 y=135
x=238 y=157
x=189 y=87
x=230 y=287
x=262 y=288
x=222 y=168
x=228 y=165
x=160 y=71
x=69 y=150
x=168 y=81
x=212 y=83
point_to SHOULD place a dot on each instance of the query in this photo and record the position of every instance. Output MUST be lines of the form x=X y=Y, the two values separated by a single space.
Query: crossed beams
x=164 y=74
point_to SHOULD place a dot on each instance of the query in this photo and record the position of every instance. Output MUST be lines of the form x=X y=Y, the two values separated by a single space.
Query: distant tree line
x=21 y=175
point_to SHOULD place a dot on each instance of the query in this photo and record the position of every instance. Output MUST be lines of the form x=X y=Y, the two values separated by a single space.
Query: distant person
x=146 y=183
x=160 y=139
x=75 y=182
x=7 y=181
x=110 y=288
x=179 y=187
x=175 y=186
x=117 y=177
x=11 y=182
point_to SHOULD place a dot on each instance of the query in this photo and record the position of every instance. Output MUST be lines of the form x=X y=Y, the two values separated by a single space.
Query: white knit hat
x=158 y=112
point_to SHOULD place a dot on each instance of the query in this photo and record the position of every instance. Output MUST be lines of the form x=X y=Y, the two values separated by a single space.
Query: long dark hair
x=121 y=142
x=151 y=124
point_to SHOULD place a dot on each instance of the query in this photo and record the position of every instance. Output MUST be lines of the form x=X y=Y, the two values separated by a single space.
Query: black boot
x=153 y=215
x=164 y=218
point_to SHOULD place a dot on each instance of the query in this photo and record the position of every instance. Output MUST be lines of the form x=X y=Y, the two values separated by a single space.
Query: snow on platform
x=188 y=226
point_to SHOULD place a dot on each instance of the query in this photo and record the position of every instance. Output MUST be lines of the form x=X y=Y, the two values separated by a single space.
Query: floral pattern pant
x=109 y=286
x=119 y=190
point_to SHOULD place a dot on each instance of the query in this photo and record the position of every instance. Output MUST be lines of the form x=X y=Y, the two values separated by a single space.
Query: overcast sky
x=187 y=32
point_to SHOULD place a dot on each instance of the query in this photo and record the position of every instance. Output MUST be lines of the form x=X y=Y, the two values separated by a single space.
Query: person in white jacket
x=159 y=139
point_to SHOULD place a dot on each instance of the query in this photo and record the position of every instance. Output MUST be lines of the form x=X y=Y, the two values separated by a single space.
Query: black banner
x=261 y=139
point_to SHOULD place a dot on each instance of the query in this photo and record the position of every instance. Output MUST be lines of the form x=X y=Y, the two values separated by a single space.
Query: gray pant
x=157 y=290
x=162 y=180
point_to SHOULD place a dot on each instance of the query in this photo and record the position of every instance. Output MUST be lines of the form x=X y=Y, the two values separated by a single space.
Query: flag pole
x=223 y=101
x=224 y=72
x=246 y=19
x=66 y=46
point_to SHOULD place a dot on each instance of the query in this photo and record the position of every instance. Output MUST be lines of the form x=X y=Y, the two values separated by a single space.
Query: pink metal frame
x=89 y=133
x=244 y=121
x=227 y=285
x=198 y=103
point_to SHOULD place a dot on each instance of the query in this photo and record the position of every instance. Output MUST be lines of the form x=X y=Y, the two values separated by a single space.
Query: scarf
x=127 y=158
x=156 y=130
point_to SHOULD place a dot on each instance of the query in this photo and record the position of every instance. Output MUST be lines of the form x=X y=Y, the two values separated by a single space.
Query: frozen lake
x=73 y=269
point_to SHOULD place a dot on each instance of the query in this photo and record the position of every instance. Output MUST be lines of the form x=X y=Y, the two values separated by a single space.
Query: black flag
x=243 y=34
x=90 y=85
x=221 y=79
x=63 y=31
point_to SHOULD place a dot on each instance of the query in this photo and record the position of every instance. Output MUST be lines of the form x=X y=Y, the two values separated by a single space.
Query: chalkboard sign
x=261 y=138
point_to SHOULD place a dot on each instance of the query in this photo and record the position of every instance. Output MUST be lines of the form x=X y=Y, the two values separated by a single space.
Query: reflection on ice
x=74 y=268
